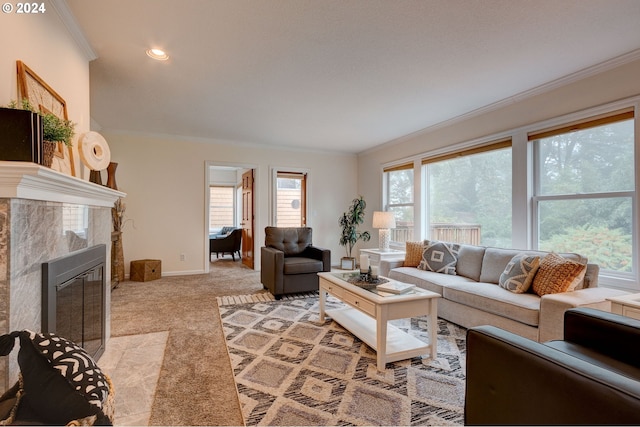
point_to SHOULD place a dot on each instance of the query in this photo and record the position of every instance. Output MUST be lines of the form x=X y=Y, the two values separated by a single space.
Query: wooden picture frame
x=47 y=100
x=347 y=263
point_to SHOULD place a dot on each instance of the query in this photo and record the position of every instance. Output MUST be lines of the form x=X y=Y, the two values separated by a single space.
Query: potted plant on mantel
x=55 y=130
x=349 y=222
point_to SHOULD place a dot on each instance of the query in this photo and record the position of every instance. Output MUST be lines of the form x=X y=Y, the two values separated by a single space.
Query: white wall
x=225 y=177
x=43 y=43
x=164 y=178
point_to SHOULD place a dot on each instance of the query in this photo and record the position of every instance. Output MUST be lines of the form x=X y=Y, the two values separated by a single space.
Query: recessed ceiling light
x=157 y=54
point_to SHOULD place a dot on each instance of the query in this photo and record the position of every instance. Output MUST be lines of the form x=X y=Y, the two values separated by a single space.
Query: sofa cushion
x=413 y=253
x=518 y=274
x=428 y=280
x=557 y=274
x=440 y=257
x=470 y=261
x=524 y=308
x=494 y=262
x=300 y=265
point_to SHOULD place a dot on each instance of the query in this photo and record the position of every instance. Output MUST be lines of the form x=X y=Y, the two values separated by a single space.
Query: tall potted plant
x=349 y=221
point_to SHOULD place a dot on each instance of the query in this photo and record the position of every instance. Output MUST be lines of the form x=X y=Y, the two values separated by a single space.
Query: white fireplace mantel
x=24 y=180
x=33 y=203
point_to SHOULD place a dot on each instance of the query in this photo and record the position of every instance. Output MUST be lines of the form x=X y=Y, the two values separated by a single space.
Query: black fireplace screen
x=73 y=296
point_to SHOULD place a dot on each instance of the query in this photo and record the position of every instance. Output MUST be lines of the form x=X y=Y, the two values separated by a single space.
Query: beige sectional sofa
x=472 y=296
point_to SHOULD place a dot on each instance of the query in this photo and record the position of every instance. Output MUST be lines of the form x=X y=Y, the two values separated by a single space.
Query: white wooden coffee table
x=368 y=312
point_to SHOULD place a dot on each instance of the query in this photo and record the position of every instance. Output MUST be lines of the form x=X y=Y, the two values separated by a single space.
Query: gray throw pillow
x=440 y=257
x=519 y=272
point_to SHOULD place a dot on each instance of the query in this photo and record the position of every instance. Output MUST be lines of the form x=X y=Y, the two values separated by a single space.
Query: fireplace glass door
x=79 y=310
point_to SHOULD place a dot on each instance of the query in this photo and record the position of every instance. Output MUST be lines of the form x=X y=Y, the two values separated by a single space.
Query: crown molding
x=65 y=14
x=538 y=90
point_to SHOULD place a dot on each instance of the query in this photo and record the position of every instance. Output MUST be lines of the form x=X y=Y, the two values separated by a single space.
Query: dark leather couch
x=590 y=377
x=289 y=263
x=229 y=243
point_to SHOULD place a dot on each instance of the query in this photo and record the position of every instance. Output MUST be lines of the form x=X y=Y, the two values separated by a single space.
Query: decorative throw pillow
x=557 y=274
x=413 y=253
x=519 y=272
x=61 y=381
x=440 y=257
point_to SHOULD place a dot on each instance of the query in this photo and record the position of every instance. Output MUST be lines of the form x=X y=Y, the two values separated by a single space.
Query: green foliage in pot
x=55 y=129
x=349 y=222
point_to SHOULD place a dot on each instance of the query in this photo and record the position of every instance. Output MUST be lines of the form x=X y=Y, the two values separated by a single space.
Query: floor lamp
x=384 y=221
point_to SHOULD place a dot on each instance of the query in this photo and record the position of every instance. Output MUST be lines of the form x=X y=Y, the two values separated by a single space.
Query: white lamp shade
x=384 y=220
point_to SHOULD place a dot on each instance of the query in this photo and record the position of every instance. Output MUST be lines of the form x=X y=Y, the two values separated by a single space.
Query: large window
x=291 y=193
x=221 y=207
x=567 y=184
x=399 y=200
x=468 y=196
x=584 y=189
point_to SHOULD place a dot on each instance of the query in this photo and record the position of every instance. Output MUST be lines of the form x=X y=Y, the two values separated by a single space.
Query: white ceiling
x=342 y=75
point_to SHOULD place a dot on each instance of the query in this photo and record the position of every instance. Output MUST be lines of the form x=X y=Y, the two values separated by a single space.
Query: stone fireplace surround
x=33 y=202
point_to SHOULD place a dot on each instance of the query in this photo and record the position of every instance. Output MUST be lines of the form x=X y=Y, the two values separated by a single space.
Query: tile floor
x=133 y=363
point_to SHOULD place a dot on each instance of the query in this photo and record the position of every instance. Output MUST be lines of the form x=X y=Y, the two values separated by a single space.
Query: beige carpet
x=196 y=385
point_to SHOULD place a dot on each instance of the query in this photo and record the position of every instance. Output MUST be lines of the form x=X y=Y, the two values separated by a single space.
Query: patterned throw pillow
x=557 y=274
x=413 y=254
x=518 y=274
x=440 y=257
x=74 y=364
x=61 y=381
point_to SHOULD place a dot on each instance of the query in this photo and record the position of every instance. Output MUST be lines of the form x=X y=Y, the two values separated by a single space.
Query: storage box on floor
x=144 y=270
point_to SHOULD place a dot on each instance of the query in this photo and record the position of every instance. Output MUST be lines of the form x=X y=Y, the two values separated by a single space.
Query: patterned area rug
x=292 y=369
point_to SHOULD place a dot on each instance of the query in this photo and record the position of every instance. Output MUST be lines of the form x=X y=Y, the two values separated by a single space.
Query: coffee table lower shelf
x=400 y=345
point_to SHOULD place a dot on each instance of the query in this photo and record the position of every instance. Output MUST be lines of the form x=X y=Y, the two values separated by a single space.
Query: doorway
x=240 y=212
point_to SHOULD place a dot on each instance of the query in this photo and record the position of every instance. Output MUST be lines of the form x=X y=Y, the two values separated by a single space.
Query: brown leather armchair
x=591 y=377
x=289 y=263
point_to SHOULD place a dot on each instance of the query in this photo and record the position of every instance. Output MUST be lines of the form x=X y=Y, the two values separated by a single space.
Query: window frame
x=479 y=148
x=387 y=206
x=277 y=172
x=614 y=116
x=234 y=199
x=524 y=216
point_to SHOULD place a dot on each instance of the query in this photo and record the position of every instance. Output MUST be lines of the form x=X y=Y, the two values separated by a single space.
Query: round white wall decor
x=94 y=151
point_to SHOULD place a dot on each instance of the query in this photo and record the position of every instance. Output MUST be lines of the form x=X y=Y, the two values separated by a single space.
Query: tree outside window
x=584 y=192
x=399 y=197
x=469 y=197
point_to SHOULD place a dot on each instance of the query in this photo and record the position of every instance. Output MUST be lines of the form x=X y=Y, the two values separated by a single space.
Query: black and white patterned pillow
x=440 y=257
x=61 y=383
x=519 y=272
x=74 y=364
